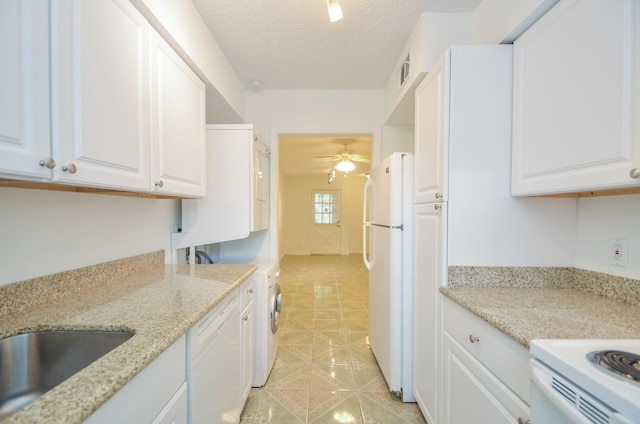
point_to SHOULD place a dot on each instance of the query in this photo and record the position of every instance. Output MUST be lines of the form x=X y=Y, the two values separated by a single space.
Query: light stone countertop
x=158 y=302
x=525 y=314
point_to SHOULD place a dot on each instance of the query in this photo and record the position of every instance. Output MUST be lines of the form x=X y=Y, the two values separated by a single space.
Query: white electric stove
x=575 y=381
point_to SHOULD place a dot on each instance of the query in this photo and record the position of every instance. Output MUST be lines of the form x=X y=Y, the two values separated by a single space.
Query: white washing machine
x=268 y=307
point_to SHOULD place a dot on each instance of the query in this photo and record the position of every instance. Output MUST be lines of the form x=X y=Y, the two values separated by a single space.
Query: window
x=325 y=207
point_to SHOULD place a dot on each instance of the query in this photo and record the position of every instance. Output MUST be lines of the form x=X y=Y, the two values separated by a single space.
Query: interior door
x=325 y=225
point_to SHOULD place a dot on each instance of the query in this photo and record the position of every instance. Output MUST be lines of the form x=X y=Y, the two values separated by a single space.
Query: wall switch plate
x=618 y=252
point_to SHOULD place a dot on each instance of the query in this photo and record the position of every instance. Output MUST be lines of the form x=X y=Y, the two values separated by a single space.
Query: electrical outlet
x=618 y=253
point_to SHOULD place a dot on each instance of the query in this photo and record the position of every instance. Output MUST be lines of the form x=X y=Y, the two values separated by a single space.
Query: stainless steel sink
x=33 y=363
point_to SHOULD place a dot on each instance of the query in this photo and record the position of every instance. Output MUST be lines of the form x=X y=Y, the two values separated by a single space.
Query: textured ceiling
x=290 y=44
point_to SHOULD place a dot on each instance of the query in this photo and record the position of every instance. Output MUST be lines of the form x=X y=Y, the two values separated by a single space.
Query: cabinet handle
x=437 y=207
x=48 y=162
x=71 y=168
x=473 y=338
x=159 y=183
x=634 y=173
x=523 y=421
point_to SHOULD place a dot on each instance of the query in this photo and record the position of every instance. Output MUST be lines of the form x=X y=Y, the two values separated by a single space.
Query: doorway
x=307 y=167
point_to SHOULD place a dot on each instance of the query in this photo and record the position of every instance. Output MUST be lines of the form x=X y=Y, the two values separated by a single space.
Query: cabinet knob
x=245 y=318
x=634 y=173
x=473 y=338
x=439 y=196
x=71 y=168
x=523 y=421
x=437 y=207
x=159 y=183
x=48 y=162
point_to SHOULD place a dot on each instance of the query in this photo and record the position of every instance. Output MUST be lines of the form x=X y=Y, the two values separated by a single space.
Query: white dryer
x=268 y=308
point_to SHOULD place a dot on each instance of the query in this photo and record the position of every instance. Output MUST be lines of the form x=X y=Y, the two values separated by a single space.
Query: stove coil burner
x=624 y=364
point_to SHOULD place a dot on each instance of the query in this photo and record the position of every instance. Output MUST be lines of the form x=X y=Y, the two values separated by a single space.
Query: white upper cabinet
x=237 y=197
x=576 y=123
x=100 y=94
x=24 y=84
x=92 y=96
x=177 y=122
x=431 y=132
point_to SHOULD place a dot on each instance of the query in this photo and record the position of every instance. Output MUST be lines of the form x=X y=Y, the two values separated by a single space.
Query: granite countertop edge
x=159 y=304
x=525 y=313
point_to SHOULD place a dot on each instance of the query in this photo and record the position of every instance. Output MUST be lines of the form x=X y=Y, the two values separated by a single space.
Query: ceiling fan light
x=335 y=11
x=345 y=166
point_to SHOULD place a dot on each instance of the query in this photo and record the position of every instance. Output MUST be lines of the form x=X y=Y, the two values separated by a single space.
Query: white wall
x=180 y=23
x=45 y=232
x=395 y=139
x=297 y=212
x=275 y=112
x=603 y=218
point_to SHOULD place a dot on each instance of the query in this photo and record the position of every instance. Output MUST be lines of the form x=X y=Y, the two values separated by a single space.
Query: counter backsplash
x=25 y=294
x=619 y=288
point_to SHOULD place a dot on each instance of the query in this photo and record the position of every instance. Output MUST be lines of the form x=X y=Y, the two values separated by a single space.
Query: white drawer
x=503 y=356
x=247 y=292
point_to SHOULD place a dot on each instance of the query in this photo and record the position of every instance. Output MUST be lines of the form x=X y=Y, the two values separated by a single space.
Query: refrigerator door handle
x=365 y=224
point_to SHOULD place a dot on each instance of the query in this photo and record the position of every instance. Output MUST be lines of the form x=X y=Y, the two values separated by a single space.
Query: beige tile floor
x=325 y=371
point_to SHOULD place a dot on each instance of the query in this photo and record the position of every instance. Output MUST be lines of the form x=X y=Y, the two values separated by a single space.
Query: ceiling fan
x=344 y=159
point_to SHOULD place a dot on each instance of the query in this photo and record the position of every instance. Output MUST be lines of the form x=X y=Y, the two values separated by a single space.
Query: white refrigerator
x=388 y=255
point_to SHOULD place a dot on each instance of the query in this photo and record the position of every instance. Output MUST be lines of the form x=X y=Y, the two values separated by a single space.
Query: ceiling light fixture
x=335 y=11
x=345 y=165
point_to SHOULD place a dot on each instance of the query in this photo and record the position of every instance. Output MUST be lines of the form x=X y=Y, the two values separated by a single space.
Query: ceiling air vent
x=404 y=69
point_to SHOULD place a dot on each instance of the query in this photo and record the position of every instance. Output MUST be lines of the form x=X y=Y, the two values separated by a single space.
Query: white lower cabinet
x=486 y=373
x=247 y=337
x=156 y=395
x=175 y=412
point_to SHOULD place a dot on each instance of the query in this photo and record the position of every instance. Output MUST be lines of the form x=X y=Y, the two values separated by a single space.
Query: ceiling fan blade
x=361 y=160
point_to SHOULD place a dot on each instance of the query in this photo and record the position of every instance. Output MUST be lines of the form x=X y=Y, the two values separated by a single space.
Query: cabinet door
x=576 y=99
x=260 y=188
x=24 y=84
x=473 y=395
x=99 y=94
x=175 y=411
x=432 y=133
x=248 y=334
x=178 y=124
x=429 y=223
